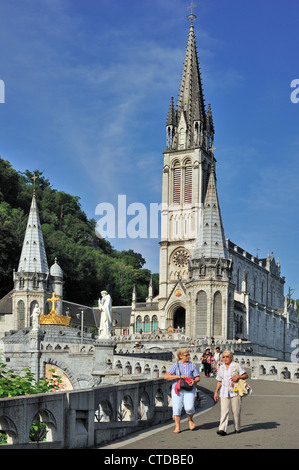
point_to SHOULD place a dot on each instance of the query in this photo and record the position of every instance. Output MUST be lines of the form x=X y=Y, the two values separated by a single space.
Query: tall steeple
x=33 y=256
x=190 y=126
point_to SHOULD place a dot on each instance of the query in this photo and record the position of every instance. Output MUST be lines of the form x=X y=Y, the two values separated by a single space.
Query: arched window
x=217 y=320
x=147 y=324
x=21 y=314
x=139 y=324
x=155 y=323
x=201 y=313
x=177 y=183
x=188 y=183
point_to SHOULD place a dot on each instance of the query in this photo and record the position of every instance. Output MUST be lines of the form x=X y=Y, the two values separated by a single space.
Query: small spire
x=171 y=118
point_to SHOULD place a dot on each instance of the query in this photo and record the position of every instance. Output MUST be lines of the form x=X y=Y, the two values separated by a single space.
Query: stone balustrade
x=85 y=418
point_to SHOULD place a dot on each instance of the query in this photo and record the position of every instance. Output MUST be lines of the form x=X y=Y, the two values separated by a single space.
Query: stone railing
x=172 y=342
x=86 y=418
x=267 y=368
x=272 y=369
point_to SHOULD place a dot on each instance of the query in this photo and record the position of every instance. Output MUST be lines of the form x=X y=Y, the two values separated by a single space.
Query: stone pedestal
x=103 y=350
x=35 y=337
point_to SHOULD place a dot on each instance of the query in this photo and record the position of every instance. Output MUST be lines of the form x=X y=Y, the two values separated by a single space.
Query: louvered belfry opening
x=188 y=183
x=177 y=184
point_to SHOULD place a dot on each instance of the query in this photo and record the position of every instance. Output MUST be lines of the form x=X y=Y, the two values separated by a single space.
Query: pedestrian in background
x=217 y=359
x=206 y=360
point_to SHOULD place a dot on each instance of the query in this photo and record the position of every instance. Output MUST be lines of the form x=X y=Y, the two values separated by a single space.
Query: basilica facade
x=208 y=285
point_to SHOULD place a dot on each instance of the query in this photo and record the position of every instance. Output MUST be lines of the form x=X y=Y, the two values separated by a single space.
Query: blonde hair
x=228 y=352
x=181 y=352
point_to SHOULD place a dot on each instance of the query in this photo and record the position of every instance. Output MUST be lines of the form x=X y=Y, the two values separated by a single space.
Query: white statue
x=105 y=306
x=35 y=318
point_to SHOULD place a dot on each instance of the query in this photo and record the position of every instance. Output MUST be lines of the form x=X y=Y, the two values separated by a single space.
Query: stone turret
x=32 y=280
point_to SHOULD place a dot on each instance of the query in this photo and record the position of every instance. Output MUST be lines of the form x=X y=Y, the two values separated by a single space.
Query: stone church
x=208 y=285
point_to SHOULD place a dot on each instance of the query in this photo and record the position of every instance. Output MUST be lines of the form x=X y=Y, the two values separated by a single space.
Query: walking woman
x=185 y=369
x=206 y=360
x=228 y=375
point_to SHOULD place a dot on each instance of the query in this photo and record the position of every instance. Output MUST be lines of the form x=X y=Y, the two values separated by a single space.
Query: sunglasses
x=186 y=354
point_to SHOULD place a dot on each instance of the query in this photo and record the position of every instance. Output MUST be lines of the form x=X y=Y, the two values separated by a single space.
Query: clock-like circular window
x=181 y=258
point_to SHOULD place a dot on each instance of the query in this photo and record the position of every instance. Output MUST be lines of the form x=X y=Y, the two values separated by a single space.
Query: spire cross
x=192 y=17
x=212 y=149
x=34 y=178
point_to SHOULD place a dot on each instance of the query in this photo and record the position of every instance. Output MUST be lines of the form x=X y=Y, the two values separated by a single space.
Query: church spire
x=33 y=256
x=194 y=124
x=210 y=241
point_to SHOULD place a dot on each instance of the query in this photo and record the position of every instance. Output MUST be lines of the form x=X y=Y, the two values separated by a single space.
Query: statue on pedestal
x=105 y=306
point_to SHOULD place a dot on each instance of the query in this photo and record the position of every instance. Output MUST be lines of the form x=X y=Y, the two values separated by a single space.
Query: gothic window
x=147 y=324
x=35 y=279
x=139 y=324
x=177 y=183
x=21 y=314
x=217 y=319
x=188 y=183
x=201 y=313
x=155 y=323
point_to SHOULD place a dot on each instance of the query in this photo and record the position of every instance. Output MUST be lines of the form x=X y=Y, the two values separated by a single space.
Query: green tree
x=13 y=385
x=89 y=263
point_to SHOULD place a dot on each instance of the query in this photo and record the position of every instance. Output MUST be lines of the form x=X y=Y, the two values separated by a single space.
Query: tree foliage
x=13 y=384
x=89 y=263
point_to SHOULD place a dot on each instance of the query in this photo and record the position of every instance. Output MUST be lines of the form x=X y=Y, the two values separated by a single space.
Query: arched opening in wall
x=188 y=183
x=139 y=324
x=217 y=317
x=179 y=318
x=43 y=427
x=103 y=413
x=143 y=408
x=8 y=431
x=201 y=314
x=147 y=324
x=21 y=314
x=176 y=183
x=159 y=398
x=58 y=375
x=125 y=411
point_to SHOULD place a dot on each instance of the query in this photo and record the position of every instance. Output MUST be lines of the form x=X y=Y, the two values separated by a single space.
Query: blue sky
x=87 y=91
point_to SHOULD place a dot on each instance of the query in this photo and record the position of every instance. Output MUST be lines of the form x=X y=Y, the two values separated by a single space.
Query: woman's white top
x=224 y=376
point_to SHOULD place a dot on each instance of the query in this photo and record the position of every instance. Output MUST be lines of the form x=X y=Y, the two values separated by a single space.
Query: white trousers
x=235 y=404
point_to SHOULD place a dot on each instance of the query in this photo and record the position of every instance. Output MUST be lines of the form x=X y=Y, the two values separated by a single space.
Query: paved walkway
x=269 y=420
